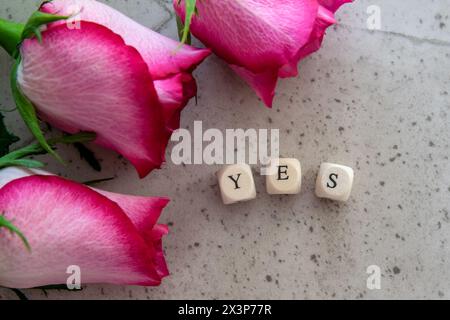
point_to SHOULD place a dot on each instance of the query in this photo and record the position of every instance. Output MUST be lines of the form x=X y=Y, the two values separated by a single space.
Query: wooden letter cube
x=236 y=183
x=334 y=182
x=286 y=177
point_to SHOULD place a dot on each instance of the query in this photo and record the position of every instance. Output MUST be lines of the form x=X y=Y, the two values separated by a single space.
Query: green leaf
x=36 y=21
x=89 y=156
x=28 y=112
x=57 y=287
x=6 y=138
x=15 y=158
x=31 y=150
x=97 y=181
x=4 y=223
x=191 y=9
x=19 y=294
x=80 y=137
x=28 y=163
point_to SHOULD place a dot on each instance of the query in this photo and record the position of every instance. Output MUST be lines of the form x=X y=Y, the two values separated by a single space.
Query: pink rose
x=113 y=238
x=262 y=40
x=112 y=76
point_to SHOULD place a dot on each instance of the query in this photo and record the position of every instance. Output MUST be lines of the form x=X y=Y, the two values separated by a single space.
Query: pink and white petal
x=289 y=70
x=70 y=224
x=325 y=19
x=144 y=212
x=156 y=235
x=164 y=56
x=333 y=5
x=174 y=93
x=256 y=35
x=88 y=80
x=263 y=83
x=13 y=173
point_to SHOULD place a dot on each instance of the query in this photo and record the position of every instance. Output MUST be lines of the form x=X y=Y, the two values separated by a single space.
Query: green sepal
x=36 y=21
x=184 y=28
x=28 y=112
x=4 y=223
x=181 y=30
x=10 y=35
x=24 y=105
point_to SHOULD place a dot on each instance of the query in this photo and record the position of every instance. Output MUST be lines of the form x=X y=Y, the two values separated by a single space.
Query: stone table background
x=375 y=100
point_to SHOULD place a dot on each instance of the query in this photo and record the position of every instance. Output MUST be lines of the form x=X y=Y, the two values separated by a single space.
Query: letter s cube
x=236 y=183
x=334 y=182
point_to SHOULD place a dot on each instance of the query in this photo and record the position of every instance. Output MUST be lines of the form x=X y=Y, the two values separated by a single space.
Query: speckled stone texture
x=377 y=101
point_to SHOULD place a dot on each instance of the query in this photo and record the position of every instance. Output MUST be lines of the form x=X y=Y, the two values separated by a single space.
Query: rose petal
x=144 y=212
x=88 y=80
x=164 y=56
x=325 y=19
x=257 y=35
x=262 y=39
x=263 y=83
x=174 y=93
x=70 y=224
x=13 y=173
x=167 y=60
x=159 y=260
x=333 y=5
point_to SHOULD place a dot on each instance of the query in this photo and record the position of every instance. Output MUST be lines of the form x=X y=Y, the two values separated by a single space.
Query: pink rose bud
x=262 y=40
x=110 y=75
x=112 y=238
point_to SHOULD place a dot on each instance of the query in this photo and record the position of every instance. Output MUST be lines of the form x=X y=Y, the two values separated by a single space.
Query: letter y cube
x=236 y=183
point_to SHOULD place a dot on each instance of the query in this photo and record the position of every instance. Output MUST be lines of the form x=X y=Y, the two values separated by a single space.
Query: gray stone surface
x=375 y=100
